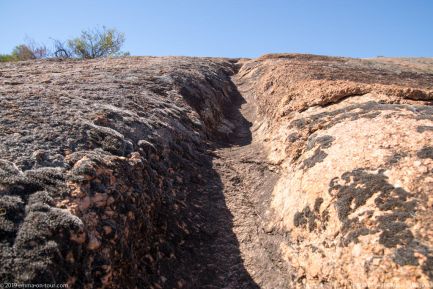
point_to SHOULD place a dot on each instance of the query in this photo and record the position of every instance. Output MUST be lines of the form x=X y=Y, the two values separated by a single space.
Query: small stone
x=110 y=200
x=107 y=230
x=79 y=238
x=94 y=243
x=40 y=155
x=269 y=228
x=99 y=200
x=70 y=257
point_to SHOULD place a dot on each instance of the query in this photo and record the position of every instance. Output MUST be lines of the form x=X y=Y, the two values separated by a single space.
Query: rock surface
x=104 y=167
x=353 y=139
x=278 y=172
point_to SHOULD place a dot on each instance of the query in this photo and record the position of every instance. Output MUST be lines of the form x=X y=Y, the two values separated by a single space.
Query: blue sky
x=232 y=28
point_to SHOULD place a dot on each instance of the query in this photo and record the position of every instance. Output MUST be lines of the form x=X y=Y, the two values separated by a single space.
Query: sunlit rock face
x=354 y=140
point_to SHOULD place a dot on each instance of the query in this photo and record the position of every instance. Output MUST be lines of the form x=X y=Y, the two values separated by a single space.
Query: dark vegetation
x=92 y=43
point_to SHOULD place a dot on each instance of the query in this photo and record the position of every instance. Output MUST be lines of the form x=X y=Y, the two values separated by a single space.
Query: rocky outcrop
x=353 y=139
x=284 y=171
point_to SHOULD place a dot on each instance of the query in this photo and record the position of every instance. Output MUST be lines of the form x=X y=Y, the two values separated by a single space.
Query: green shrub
x=94 y=43
x=7 y=58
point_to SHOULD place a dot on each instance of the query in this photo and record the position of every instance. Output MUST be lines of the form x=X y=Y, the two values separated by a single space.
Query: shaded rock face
x=353 y=139
x=101 y=164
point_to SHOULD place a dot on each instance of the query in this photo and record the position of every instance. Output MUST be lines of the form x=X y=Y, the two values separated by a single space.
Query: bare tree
x=61 y=50
x=39 y=50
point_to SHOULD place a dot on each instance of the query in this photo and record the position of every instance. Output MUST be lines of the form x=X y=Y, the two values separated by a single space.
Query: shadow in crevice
x=241 y=133
x=209 y=256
